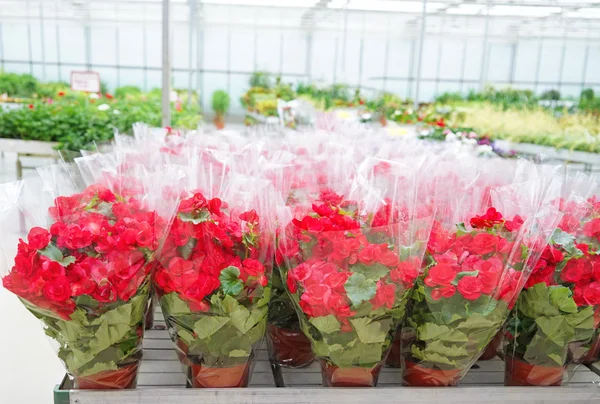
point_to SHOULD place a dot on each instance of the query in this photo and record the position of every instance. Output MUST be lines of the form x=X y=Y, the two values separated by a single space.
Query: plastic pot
x=520 y=373
x=289 y=348
x=417 y=375
x=355 y=376
x=123 y=378
x=219 y=121
x=220 y=377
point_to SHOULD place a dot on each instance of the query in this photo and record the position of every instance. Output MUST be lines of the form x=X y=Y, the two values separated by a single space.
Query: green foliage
x=545 y=321
x=227 y=333
x=124 y=91
x=552 y=95
x=75 y=122
x=93 y=341
x=261 y=80
x=220 y=102
x=18 y=85
x=450 y=333
x=449 y=98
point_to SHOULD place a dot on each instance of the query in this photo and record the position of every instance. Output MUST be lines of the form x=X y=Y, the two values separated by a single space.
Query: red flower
x=61 y=93
x=482 y=243
x=568 y=223
x=30 y=106
x=105 y=292
x=491 y=218
x=109 y=96
x=440 y=123
x=291 y=283
x=470 y=287
x=446 y=291
x=250 y=216
x=406 y=272
x=592 y=294
x=441 y=274
x=552 y=255
x=253 y=267
x=575 y=270
x=515 y=224
x=385 y=295
x=337 y=280
x=592 y=228
x=178 y=266
x=58 y=290
x=78 y=237
x=370 y=254
x=38 y=238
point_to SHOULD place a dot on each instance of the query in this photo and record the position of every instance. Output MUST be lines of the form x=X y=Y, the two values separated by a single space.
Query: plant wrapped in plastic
x=86 y=276
x=213 y=288
x=560 y=304
x=351 y=264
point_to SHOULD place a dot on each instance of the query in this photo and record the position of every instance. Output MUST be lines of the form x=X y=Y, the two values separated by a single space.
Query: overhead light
x=389 y=5
x=467 y=9
x=265 y=3
x=528 y=11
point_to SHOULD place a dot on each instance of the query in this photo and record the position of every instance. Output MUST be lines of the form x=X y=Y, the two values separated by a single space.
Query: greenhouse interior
x=240 y=201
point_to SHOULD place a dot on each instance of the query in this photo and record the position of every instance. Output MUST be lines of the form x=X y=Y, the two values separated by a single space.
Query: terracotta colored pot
x=520 y=373
x=355 y=376
x=181 y=349
x=289 y=348
x=215 y=377
x=122 y=378
x=219 y=121
x=383 y=120
x=417 y=375
x=492 y=349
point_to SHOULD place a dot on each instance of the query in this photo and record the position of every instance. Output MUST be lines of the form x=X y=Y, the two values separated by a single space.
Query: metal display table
x=161 y=380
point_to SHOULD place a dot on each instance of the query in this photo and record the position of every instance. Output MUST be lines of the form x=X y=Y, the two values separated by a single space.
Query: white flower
x=173 y=96
x=396 y=112
x=116 y=112
x=94 y=96
x=484 y=149
x=103 y=107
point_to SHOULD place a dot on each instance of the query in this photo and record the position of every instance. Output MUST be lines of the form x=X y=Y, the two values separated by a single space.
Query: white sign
x=85 y=81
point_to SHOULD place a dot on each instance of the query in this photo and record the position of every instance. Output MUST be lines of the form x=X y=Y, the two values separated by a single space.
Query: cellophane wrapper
x=556 y=316
x=84 y=267
x=349 y=261
x=213 y=277
x=474 y=268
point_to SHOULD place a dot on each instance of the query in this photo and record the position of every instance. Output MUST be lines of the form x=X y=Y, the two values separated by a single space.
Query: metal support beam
x=166 y=63
x=512 y=69
x=29 y=44
x=1 y=50
x=538 y=66
x=561 y=66
x=463 y=64
x=191 y=25
x=345 y=42
x=420 y=60
x=308 y=67
x=57 y=32
x=586 y=57
x=200 y=55
x=42 y=42
x=438 y=69
x=484 y=51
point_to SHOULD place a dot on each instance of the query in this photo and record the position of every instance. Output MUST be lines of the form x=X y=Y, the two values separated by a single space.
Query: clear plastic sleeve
x=556 y=316
x=350 y=264
x=84 y=270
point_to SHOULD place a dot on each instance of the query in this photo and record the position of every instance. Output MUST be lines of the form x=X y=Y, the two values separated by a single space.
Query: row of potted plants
x=377 y=250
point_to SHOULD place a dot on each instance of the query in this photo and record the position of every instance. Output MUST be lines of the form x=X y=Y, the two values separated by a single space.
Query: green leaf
x=230 y=281
x=199 y=217
x=52 y=252
x=461 y=229
x=535 y=302
x=239 y=314
x=372 y=272
x=431 y=332
x=208 y=325
x=326 y=324
x=65 y=262
x=186 y=250
x=173 y=305
x=368 y=331
x=555 y=329
x=186 y=336
x=561 y=297
x=360 y=289
x=477 y=321
x=238 y=353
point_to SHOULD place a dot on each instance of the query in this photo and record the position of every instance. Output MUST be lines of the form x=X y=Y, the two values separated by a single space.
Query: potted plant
x=220 y=104
x=470 y=279
x=213 y=288
x=558 y=309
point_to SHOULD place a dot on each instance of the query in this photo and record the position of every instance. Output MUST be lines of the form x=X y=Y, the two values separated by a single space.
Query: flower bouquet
x=350 y=266
x=558 y=308
x=213 y=287
x=86 y=276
